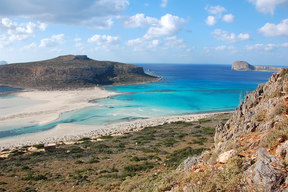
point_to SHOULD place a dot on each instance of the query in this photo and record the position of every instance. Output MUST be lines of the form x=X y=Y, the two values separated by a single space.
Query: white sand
x=72 y=132
x=41 y=107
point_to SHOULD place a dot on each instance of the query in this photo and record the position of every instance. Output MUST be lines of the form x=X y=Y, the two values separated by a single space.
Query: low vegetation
x=112 y=163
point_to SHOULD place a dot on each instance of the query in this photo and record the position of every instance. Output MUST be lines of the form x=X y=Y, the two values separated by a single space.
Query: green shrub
x=39 y=146
x=168 y=142
x=78 y=162
x=106 y=137
x=32 y=177
x=131 y=170
x=199 y=140
x=204 y=120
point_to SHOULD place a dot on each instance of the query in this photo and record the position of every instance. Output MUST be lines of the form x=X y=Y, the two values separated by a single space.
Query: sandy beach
x=41 y=107
x=72 y=132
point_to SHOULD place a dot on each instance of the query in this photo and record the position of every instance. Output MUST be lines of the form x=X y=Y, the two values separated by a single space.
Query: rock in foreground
x=71 y=72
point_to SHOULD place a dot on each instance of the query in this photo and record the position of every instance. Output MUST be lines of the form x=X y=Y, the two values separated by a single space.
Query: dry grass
x=280 y=131
x=228 y=178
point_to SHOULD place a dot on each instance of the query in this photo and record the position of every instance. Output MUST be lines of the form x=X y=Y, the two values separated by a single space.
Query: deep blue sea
x=184 y=89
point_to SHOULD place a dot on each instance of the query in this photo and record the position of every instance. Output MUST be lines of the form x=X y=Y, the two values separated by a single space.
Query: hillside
x=70 y=72
x=245 y=66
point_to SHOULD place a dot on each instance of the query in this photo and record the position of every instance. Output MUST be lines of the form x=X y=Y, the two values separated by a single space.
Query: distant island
x=71 y=72
x=245 y=66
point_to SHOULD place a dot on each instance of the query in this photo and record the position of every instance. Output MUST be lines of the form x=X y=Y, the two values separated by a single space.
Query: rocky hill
x=70 y=72
x=251 y=148
x=245 y=66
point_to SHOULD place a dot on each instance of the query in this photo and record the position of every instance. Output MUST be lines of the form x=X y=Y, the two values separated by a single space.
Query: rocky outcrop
x=71 y=72
x=262 y=110
x=242 y=66
x=257 y=137
x=267 y=173
x=245 y=66
x=260 y=121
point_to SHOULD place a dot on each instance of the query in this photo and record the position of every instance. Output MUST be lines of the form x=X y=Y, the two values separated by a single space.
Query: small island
x=71 y=72
x=245 y=66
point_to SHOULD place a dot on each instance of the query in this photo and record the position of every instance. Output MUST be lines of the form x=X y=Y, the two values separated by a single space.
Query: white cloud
x=272 y=30
x=94 y=13
x=267 y=6
x=12 y=31
x=20 y=31
x=230 y=37
x=167 y=25
x=211 y=21
x=215 y=10
x=155 y=42
x=30 y=46
x=164 y=3
x=243 y=36
x=139 y=20
x=224 y=48
x=174 y=42
x=3 y=41
x=228 y=18
x=77 y=39
x=104 y=41
x=266 y=47
x=53 y=41
x=141 y=44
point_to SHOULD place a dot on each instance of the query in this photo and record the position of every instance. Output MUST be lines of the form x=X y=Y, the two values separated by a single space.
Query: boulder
x=225 y=156
x=266 y=174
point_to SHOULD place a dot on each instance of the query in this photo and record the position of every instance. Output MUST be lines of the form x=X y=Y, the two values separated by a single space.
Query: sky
x=146 y=31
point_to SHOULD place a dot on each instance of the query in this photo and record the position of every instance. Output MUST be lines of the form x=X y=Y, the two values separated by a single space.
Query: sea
x=184 y=89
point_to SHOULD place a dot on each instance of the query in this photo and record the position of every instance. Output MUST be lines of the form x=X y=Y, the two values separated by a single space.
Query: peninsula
x=71 y=72
x=245 y=66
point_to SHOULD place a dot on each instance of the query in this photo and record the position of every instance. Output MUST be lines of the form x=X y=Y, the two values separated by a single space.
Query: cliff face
x=70 y=72
x=245 y=66
x=251 y=148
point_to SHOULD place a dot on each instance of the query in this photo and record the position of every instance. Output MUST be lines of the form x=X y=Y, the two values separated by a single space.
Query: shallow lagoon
x=183 y=89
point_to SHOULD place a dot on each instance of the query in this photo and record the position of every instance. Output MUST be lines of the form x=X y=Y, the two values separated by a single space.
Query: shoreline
x=32 y=107
x=72 y=133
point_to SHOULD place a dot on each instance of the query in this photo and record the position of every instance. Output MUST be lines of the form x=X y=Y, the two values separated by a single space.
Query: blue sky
x=146 y=31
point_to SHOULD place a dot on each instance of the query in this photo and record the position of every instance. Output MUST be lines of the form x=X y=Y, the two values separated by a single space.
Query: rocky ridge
x=71 y=72
x=245 y=66
x=255 y=139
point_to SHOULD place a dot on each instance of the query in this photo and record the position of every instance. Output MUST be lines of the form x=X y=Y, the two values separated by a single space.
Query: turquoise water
x=184 y=89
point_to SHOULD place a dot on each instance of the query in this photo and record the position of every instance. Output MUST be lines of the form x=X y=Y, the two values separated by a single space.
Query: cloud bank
x=95 y=13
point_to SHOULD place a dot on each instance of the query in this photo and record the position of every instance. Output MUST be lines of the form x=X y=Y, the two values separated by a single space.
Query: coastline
x=65 y=133
x=41 y=107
